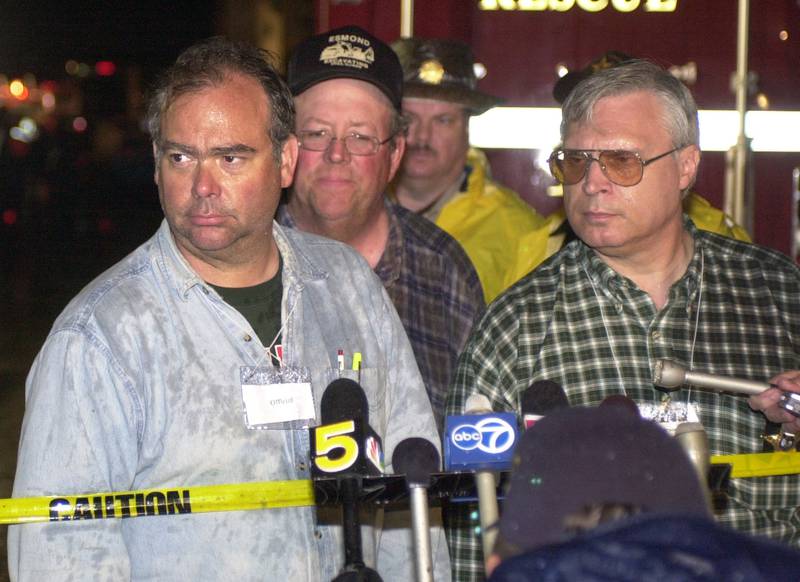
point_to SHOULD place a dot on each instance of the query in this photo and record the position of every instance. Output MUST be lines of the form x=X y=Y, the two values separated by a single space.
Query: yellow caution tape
x=263 y=495
x=761 y=464
x=173 y=501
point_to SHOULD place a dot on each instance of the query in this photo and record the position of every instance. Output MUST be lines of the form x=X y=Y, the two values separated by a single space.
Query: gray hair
x=679 y=111
x=398 y=125
x=208 y=64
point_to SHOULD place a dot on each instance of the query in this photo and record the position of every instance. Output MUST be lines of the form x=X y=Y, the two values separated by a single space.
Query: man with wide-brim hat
x=445 y=180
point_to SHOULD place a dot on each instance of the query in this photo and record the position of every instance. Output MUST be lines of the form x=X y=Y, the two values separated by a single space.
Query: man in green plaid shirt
x=640 y=284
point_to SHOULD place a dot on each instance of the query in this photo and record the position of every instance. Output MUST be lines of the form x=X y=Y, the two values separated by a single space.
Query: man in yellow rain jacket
x=446 y=181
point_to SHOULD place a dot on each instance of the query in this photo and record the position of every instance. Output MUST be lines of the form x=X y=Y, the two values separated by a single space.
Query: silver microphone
x=693 y=439
x=486 y=484
x=671 y=375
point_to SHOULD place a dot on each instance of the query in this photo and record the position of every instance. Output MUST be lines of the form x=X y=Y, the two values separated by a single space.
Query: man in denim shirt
x=147 y=378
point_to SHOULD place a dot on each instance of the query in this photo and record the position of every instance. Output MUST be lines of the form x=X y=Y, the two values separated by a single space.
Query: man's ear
x=688 y=163
x=288 y=160
x=396 y=155
x=156 y=164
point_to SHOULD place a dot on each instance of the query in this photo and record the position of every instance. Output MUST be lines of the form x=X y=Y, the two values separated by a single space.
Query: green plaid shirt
x=577 y=322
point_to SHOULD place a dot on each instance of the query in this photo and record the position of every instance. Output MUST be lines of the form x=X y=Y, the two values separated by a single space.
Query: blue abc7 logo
x=490 y=435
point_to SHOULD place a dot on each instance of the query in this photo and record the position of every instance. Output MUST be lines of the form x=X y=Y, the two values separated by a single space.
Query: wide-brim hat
x=349 y=52
x=568 y=82
x=442 y=69
x=578 y=457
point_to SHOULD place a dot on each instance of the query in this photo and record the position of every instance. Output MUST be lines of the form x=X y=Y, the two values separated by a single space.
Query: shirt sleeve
x=78 y=436
x=409 y=415
x=486 y=366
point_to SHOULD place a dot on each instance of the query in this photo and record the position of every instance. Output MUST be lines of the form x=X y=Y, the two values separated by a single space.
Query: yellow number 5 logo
x=331 y=437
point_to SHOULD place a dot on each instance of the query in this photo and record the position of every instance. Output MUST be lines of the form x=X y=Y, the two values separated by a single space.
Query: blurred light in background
x=79 y=124
x=539 y=128
x=105 y=68
x=26 y=131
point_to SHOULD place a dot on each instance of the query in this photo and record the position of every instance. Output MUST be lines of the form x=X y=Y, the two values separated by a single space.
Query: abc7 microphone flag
x=480 y=441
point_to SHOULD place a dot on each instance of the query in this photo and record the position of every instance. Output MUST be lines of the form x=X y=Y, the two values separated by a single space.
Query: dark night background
x=74 y=202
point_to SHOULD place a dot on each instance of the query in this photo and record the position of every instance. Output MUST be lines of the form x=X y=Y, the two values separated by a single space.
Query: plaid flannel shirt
x=436 y=292
x=577 y=322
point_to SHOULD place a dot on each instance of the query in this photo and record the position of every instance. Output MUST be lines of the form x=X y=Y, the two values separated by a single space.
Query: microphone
x=345 y=446
x=418 y=458
x=693 y=439
x=539 y=399
x=671 y=375
x=344 y=443
x=621 y=401
x=481 y=441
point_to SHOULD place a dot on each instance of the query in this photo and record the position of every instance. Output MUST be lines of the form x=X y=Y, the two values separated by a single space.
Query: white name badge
x=277 y=398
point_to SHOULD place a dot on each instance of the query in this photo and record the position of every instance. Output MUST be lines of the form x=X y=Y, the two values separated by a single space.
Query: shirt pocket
x=373 y=382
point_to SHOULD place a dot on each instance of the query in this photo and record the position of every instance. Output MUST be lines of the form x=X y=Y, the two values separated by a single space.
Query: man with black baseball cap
x=348 y=88
x=445 y=180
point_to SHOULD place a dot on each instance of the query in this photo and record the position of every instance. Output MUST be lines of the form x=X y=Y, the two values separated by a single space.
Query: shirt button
x=317 y=534
x=656 y=335
x=301 y=466
x=247 y=337
x=205 y=290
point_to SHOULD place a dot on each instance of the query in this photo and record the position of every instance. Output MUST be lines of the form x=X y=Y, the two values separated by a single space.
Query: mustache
x=205 y=206
x=420 y=148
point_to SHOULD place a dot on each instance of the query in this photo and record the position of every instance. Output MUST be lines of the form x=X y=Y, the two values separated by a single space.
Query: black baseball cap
x=349 y=52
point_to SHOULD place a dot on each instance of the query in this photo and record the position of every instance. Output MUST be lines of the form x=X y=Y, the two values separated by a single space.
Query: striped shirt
x=574 y=320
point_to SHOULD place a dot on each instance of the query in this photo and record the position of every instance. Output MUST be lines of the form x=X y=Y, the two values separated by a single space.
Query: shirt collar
x=297 y=264
x=390 y=265
x=613 y=284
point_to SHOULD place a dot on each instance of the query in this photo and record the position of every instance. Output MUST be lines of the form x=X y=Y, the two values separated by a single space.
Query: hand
x=767 y=401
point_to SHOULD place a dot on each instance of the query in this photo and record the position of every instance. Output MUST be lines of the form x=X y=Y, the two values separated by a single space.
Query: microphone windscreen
x=476 y=404
x=542 y=397
x=621 y=401
x=416 y=458
x=342 y=400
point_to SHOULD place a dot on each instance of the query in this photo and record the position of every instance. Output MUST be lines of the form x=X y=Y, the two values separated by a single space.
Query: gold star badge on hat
x=431 y=72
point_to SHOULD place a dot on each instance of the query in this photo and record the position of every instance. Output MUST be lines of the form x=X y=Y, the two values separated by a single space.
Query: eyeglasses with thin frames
x=622 y=167
x=356 y=144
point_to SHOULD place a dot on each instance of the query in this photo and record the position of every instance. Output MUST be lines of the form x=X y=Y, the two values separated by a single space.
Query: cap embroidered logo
x=345 y=52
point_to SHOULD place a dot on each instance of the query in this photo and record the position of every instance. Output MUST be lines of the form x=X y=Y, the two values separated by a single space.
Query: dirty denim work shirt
x=138 y=387
x=577 y=322
x=436 y=292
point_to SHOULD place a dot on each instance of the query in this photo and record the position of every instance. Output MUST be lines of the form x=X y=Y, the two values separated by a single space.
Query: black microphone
x=621 y=401
x=345 y=446
x=344 y=443
x=417 y=459
x=540 y=399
